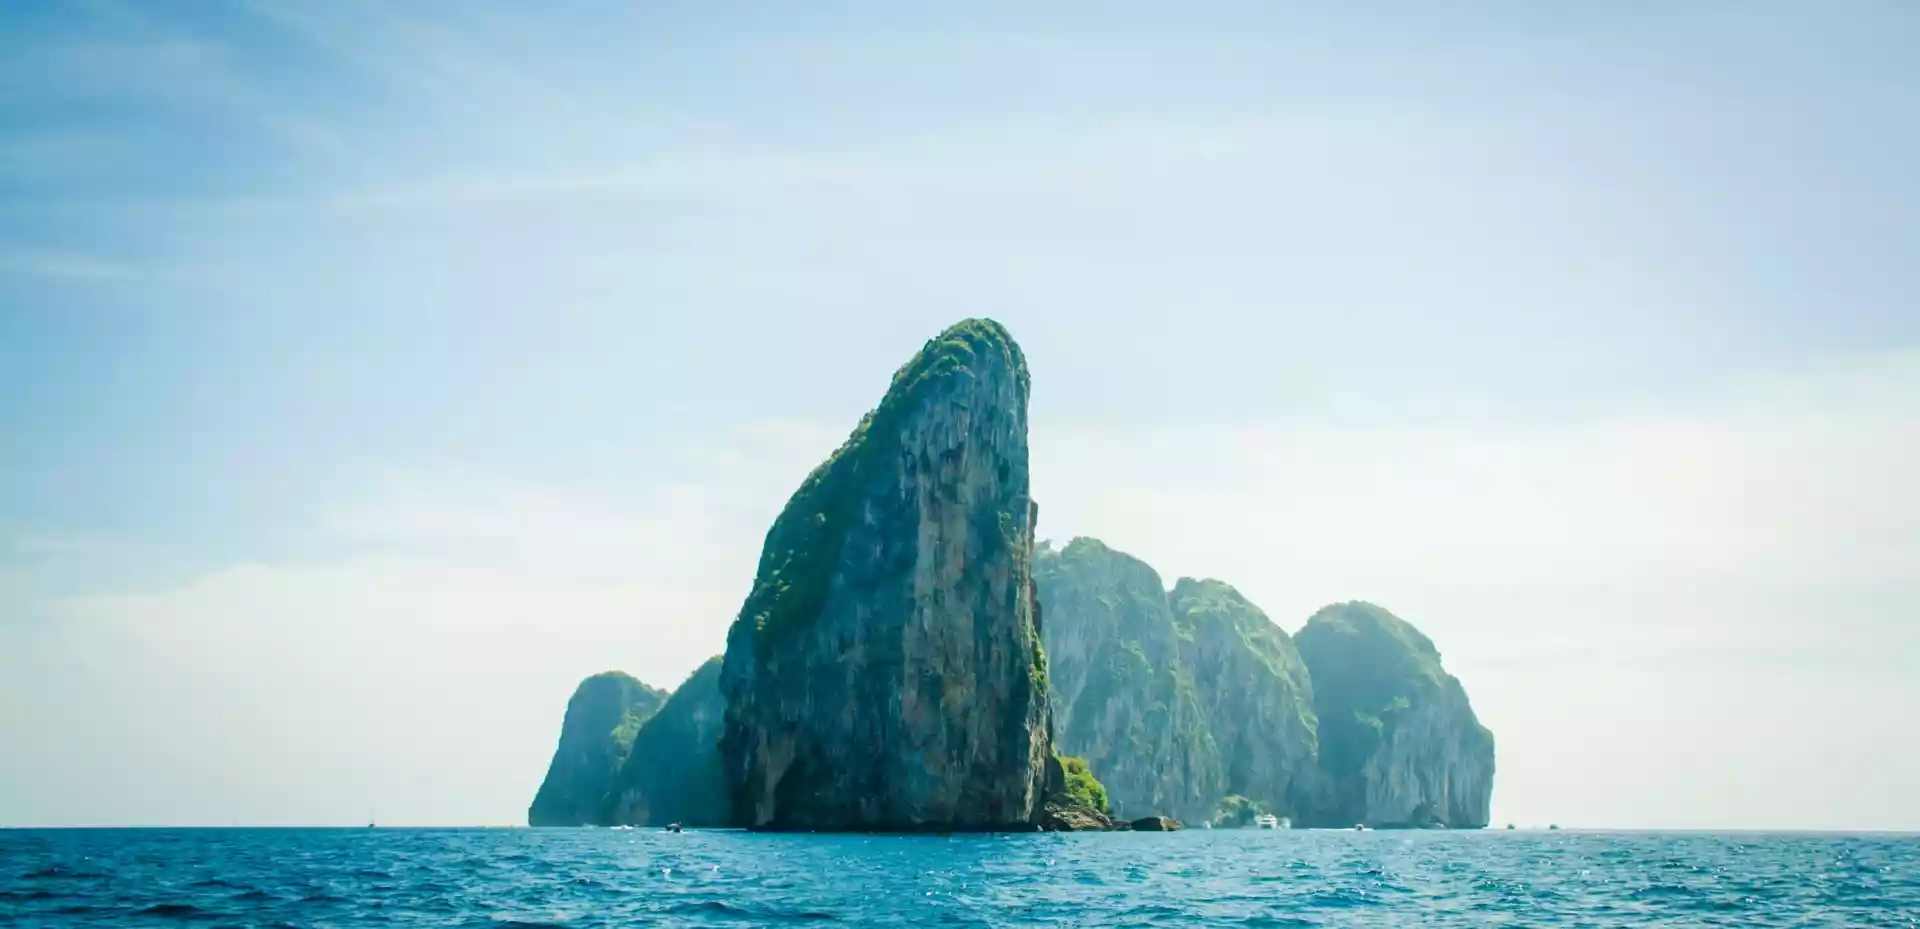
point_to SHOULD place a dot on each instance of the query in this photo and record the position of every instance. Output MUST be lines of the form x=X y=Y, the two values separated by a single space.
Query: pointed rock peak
x=614 y=684
x=973 y=365
x=973 y=349
x=1363 y=621
x=1087 y=546
x=1189 y=588
x=1205 y=600
x=977 y=346
x=1087 y=550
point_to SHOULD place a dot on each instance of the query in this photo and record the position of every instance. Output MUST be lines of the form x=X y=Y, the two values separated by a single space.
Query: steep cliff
x=1400 y=744
x=885 y=670
x=672 y=774
x=1177 y=699
x=1123 y=696
x=603 y=718
x=1256 y=694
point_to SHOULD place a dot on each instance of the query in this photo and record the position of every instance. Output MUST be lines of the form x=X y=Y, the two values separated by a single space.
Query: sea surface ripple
x=602 y=877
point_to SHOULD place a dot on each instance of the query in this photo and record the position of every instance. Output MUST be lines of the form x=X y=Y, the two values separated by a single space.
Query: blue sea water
x=600 y=877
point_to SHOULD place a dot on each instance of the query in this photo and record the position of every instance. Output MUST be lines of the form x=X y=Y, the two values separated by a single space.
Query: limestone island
x=889 y=670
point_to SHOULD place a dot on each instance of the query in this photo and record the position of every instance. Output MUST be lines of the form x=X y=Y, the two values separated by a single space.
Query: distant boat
x=1267 y=821
x=1509 y=827
x=1555 y=827
x=673 y=827
x=1361 y=827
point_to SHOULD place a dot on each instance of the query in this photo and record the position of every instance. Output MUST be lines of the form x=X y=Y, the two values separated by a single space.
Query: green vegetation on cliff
x=603 y=719
x=1203 y=608
x=1121 y=696
x=803 y=544
x=1236 y=812
x=1082 y=786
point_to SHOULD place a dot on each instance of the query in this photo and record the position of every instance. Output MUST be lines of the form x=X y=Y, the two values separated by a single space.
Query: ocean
x=603 y=877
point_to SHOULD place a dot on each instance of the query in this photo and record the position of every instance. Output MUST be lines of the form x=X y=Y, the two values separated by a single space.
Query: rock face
x=603 y=718
x=1122 y=696
x=1178 y=699
x=672 y=773
x=1192 y=703
x=885 y=671
x=1399 y=742
x=1256 y=693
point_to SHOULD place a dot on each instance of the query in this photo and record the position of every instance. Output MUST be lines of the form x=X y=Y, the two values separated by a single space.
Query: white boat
x=1267 y=821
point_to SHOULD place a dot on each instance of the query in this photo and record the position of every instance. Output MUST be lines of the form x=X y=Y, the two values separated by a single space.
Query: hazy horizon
x=374 y=373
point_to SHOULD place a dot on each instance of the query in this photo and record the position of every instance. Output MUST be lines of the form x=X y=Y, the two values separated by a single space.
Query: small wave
x=59 y=871
x=34 y=894
x=217 y=883
x=524 y=924
x=1276 y=922
x=1153 y=909
x=717 y=907
x=185 y=911
x=1338 y=899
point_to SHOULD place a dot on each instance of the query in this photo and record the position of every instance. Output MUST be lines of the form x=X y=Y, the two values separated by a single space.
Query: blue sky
x=400 y=348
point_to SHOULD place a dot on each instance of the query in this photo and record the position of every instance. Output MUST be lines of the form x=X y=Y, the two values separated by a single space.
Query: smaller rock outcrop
x=603 y=718
x=1180 y=697
x=1074 y=800
x=1060 y=815
x=1399 y=743
x=1156 y=824
x=672 y=775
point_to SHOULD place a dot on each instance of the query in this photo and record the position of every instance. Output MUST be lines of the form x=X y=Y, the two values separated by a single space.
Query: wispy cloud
x=68 y=266
x=139 y=56
x=55 y=265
